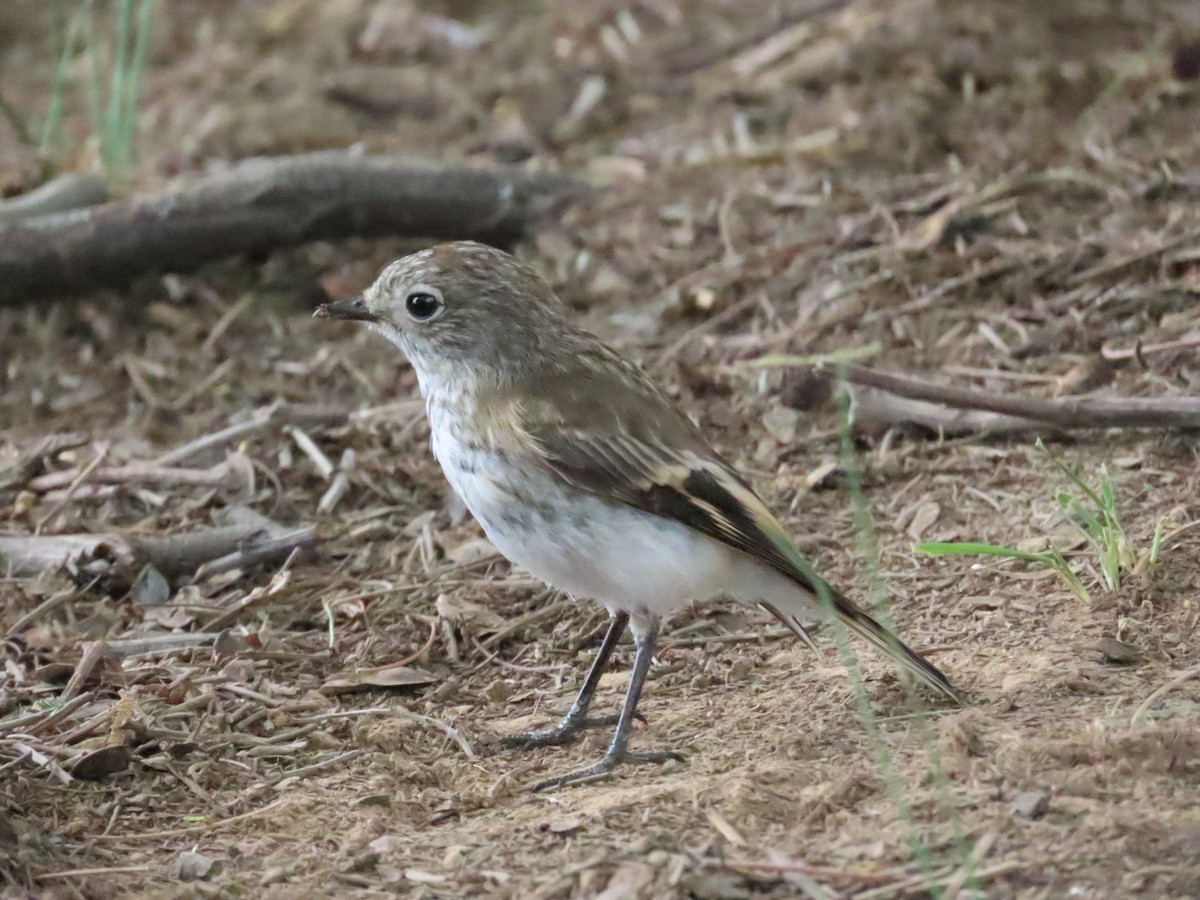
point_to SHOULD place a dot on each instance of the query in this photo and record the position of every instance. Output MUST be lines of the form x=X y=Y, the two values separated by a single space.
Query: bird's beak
x=352 y=309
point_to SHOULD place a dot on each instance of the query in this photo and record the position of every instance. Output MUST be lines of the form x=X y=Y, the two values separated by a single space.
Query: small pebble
x=1031 y=804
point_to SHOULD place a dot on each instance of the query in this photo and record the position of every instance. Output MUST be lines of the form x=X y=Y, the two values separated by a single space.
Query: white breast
x=622 y=557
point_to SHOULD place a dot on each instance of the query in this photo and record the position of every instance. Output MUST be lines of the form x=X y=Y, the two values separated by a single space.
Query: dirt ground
x=987 y=193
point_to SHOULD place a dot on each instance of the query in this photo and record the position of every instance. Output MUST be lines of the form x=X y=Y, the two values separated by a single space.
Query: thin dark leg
x=576 y=718
x=618 y=751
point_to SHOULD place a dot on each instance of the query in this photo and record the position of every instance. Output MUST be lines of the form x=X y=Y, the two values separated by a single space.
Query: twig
x=93 y=652
x=340 y=484
x=116 y=555
x=50 y=603
x=1145 y=705
x=45 y=761
x=517 y=624
x=90 y=873
x=1064 y=412
x=73 y=483
x=227 y=318
x=156 y=644
x=259 y=552
x=1133 y=261
x=924 y=884
x=310 y=449
x=48 y=446
x=448 y=730
x=306 y=771
x=1187 y=342
x=192 y=829
x=134 y=473
x=823 y=872
x=262 y=419
x=978 y=853
x=38 y=722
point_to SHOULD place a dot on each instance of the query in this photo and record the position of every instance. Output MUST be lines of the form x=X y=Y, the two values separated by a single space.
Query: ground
x=990 y=194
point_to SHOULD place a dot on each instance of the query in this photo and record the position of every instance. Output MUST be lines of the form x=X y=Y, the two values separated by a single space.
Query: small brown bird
x=583 y=472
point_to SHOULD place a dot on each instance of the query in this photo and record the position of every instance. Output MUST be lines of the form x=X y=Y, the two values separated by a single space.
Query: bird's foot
x=554 y=735
x=604 y=768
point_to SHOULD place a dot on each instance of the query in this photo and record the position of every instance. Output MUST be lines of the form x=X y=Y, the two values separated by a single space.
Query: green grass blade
x=1156 y=542
x=65 y=38
x=133 y=82
x=954 y=548
x=113 y=124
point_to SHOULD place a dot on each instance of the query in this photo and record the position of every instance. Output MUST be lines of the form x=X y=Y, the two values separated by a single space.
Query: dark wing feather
x=628 y=442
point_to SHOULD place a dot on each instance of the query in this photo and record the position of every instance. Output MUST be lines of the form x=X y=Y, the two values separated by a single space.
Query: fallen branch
x=262 y=205
x=115 y=558
x=872 y=409
x=1063 y=412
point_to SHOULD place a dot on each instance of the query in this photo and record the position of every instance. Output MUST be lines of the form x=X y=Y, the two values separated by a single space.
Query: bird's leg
x=576 y=718
x=618 y=750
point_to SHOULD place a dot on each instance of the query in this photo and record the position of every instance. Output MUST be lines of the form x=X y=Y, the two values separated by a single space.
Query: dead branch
x=264 y=204
x=872 y=409
x=116 y=557
x=1063 y=412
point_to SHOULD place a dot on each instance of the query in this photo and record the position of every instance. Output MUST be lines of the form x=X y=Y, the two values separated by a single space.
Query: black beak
x=352 y=309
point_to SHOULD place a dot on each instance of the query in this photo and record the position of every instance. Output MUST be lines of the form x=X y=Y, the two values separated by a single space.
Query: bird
x=584 y=472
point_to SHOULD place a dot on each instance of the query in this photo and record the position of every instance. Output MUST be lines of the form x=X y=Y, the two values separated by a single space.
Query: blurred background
x=1001 y=196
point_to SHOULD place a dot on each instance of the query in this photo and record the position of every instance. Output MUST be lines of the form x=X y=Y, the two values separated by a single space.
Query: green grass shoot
x=1093 y=512
x=112 y=80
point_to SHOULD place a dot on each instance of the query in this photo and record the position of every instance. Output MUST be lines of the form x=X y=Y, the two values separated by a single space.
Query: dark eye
x=422 y=304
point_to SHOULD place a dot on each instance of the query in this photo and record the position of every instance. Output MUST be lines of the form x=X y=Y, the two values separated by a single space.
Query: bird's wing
x=627 y=442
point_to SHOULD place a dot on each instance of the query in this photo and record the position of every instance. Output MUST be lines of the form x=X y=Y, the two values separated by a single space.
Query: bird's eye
x=423 y=304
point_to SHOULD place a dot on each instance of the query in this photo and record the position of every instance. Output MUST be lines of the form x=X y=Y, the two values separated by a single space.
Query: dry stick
x=93 y=652
x=133 y=473
x=159 y=644
x=91 y=873
x=1123 y=265
x=38 y=722
x=1066 y=412
x=48 y=446
x=873 y=408
x=277 y=414
x=264 y=204
x=517 y=624
x=192 y=829
x=1184 y=676
x=923 y=884
x=449 y=730
x=73 y=483
x=1187 y=342
x=823 y=872
x=52 y=602
x=176 y=555
x=306 y=771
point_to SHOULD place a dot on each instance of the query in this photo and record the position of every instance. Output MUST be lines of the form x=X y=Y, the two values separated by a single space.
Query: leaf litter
x=1000 y=194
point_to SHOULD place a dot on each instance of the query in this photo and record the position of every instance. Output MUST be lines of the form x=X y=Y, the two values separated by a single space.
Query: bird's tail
x=871 y=631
